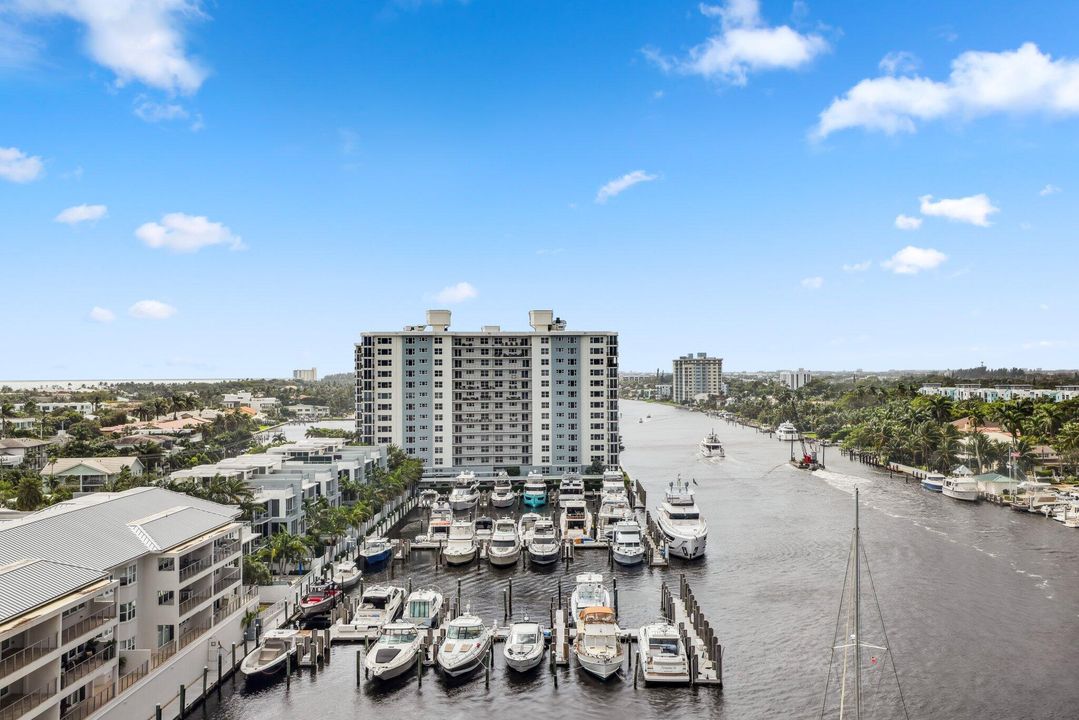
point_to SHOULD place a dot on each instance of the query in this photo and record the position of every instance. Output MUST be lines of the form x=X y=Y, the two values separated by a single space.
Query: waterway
x=981 y=603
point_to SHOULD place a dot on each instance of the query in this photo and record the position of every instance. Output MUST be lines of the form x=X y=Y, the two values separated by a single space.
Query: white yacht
x=524 y=646
x=960 y=488
x=661 y=655
x=485 y=528
x=1033 y=495
x=460 y=547
x=711 y=446
x=614 y=483
x=379 y=606
x=466 y=645
x=933 y=482
x=346 y=574
x=502 y=496
x=534 y=493
x=787 y=432
x=525 y=526
x=465 y=493
x=423 y=608
x=612 y=510
x=268 y=659
x=570 y=490
x=505 y=547
x=428 y=497
x=590 y=592
x=680 y=521
x=438 y=527
x=627 y=547
x=576 y=520
x=597 y=646
x=395 y=651
x=544 y=547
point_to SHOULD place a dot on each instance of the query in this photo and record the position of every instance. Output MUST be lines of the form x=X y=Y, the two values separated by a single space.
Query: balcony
x=87 y=707
x=191 y=634
x=21 y=657
x=194 y=600
x=193 y=568
x=226 y=577
x=225 y=549
x=95 y=619
x=134 y=676
x=15 y=705
x=81 y=668
x=162 y=654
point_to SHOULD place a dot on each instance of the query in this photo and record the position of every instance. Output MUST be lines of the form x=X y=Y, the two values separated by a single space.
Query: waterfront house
x=91 y=474
x=995 y=485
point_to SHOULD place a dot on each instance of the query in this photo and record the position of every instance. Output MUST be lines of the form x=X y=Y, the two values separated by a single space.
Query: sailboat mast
x=857 y=616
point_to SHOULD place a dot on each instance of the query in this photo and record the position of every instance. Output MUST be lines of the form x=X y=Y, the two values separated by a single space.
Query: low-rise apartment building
x=971 y=391
x=91 y=474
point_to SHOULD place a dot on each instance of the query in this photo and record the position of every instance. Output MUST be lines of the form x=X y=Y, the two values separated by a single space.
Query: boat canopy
x=597 y=614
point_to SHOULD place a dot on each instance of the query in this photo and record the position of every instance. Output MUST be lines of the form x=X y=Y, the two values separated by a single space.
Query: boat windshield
x=467 y=632
x=419 y=608
x=684 y=515
x=663 y=646
x=503 y=543
x=524 y=638
x=401 y=637
x=375 y=601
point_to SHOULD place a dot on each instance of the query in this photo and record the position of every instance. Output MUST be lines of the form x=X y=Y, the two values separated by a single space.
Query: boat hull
x=508 y=560
x=687 y=548
x=535 y=500
x=401 y=665
x=468 y=665
x=459 y=558
x=264 y=672
x=600 y=667
x=624 y=558
x=525 y=663
x=463 y=503
x=376 y=557
x=542 y=556
x=965 y=495
x=317 y=608
x=503 y=502
x=932 y=486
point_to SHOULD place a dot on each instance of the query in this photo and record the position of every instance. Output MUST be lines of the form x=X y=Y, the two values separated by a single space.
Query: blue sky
x=267 y=180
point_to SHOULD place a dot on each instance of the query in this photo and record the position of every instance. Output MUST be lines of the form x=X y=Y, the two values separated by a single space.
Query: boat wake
x=841 y=482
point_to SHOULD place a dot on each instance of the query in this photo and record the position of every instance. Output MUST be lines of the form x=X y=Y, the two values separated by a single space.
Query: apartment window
x=166 y=564
x=165 y=597
x=127 y=611
x=128 y=576
x=128 y=644
x=165 y=634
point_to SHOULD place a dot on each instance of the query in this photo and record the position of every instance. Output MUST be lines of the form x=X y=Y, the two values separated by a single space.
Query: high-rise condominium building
x=305 y=374
x=697 y=375
x=795 y=379
x=545 y=399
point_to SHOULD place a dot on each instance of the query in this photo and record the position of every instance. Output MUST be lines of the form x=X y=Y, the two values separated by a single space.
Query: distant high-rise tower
x=795 y=379
x=307 y=375
x=697 y=375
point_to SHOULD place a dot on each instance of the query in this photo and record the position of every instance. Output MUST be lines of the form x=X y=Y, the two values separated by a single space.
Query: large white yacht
x=626 y=545
x=395 y=651
x=711 y=446
x=576 y=520
x=786 y=431
x=466 y=645
x=465 y=493
x=680 y=520
x=544 y=547
x=460 y=548
x=570 y=490
x=502 y=496
x=960 y=488
x=612 y=510
x=505 y=546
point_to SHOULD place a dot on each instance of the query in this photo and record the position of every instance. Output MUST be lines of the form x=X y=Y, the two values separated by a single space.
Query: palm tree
x=29 y=495
x=228 y=491
x=1067 y=444
x=981 y=447
x=6 y=411
x=926 y=439
x=1045 y=419
x=948 y=448
x=283 y=548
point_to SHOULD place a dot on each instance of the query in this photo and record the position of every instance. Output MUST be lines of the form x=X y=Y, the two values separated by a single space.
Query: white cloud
x=151 y=310
x=742 y=44
x=911 y=260
x=974 y=209
x=618 y=185
x=17 y=166
x=858 y=267
x=1049 y=189
x=813 y=283
x=906 y=222
x=899 y=63
x=150 y=111
x=180 y=232
x=1022 y=81
x=457 y=293
x=81 y=213
x=141 y=40
x=101 y=315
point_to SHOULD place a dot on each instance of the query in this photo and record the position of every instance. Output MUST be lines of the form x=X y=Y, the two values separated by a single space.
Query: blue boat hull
x=376 y=558
x=932 y=487
x=535 y=501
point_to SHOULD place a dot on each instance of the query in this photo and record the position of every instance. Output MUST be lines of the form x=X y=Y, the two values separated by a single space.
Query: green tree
x=29 y=495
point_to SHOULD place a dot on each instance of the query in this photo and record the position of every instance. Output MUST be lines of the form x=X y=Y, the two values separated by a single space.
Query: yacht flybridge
x=711 y=446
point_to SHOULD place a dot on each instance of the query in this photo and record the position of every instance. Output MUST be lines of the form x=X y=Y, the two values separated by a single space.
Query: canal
x=981 y=603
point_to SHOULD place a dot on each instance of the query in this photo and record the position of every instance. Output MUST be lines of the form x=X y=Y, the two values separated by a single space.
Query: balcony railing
x=162 y=654
x=15 y=705
x=192 y=634
x=192 y=569
x=134 y=676
x=194 y=600
x=83 y=667
x=24 y=656
x=223 y=550
x=90 y=705
x=230 y=576
x=94 y=620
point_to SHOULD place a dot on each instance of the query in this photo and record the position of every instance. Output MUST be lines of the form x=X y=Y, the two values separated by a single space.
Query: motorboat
x=534 y=493
x=711 y=446
x=1032 y=496
x=576 y=520
x=933 y=482
x=346 y=574
x=614 y=483
x=465 y=493
x=375 y=551
x=395 y=651
x=505 y=547
x=466 y=645
x=661 y=655
x=460 y=547
x=612 y=510
x=438 y=526
x=379 y=606
x=525 y=526
x=787 y=432
x=590 y=592
x=960 y=488
x=524 y=646
x=597 y=646
x=502 y=496
x=680 y=521
x=320 y=599
x=544 y=547
x=269 y=658
x=423 y=608
x=626 y=545
x=485 y=528
x=428 y=497
x=570 y=490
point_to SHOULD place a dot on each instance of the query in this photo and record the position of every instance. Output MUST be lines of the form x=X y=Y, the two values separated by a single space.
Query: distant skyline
x=822 y=185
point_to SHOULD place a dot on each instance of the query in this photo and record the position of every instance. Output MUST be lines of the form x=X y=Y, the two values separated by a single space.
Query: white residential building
x=970 y=391
x=545 y=399
x=308 y=412
x=110 y=601
x=795 y=379
x=696 y=375
x=83 y=408
x=305 y=375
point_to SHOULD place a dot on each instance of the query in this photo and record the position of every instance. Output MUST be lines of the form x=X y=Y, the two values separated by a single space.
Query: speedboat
x=597 y=645
x=465 y=492
x=570 y=490
x=933 y=482
x=534 y=493
x=466 y=645
x=661 y=655
x=346 y=574
x=395 y=651
x=423 y=608
x=268 y=659
x=544 y=547
x=613 y=510
x=711 y=446
x=505 y=547
x=680 y=521
x=627 y=547
x=576 y=520
x=525 y=526
x=502 y=496
x=375 y=551
x=379 y=606
x=460 y=547
x=485 y=528
x=960 y=488
x=320 y=599
x=787 y=432
x=524 y=646
x=589 y=592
